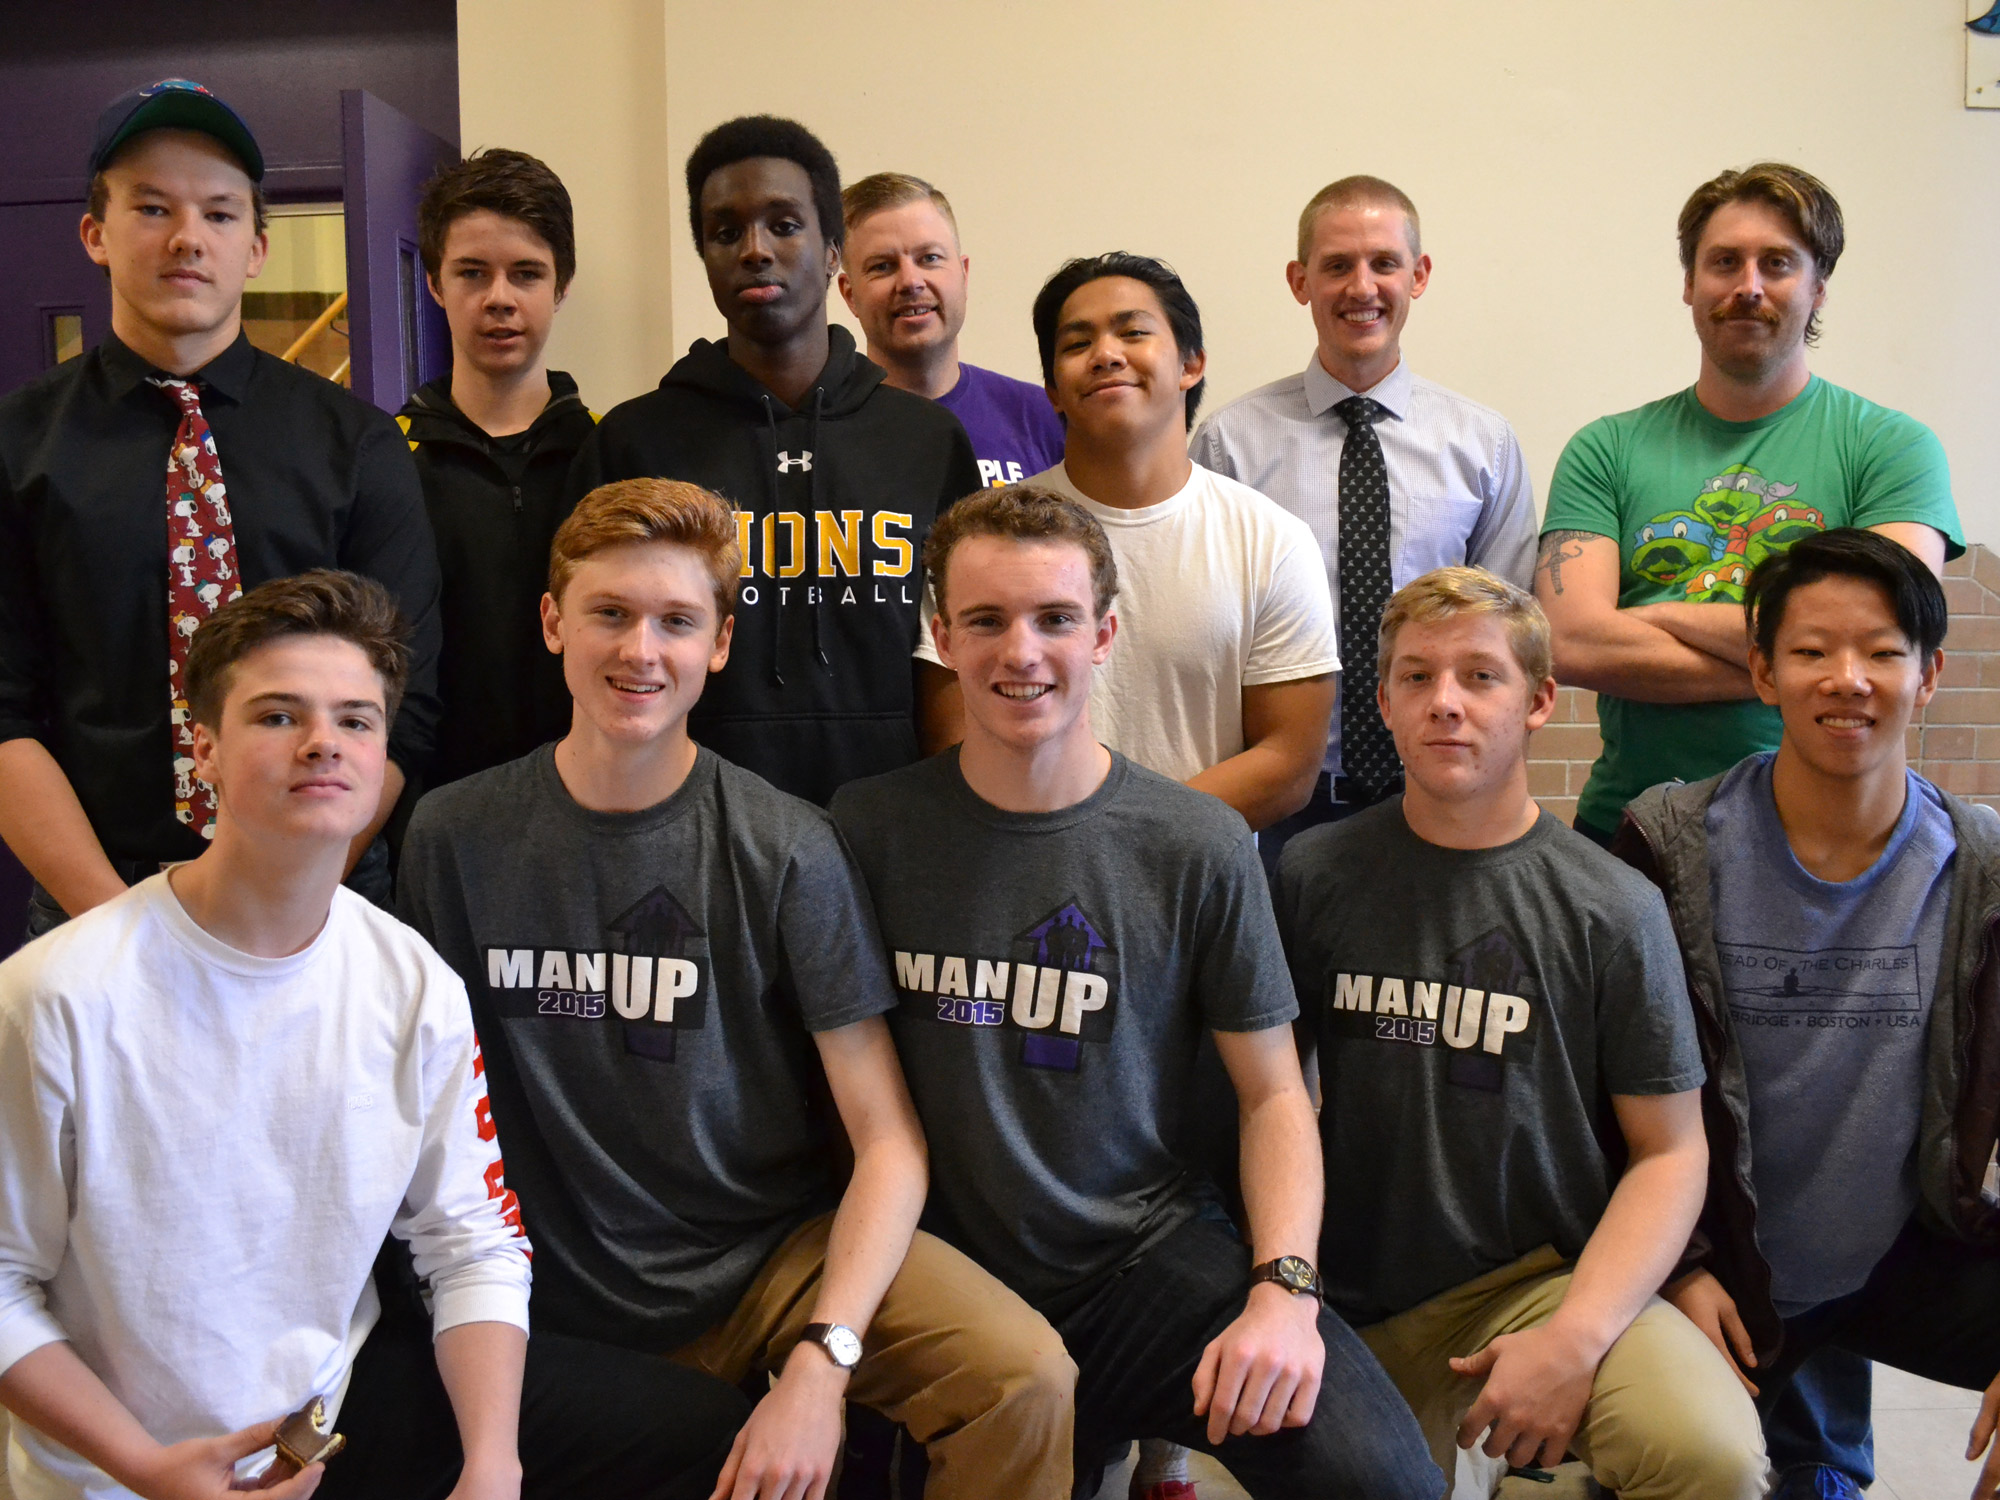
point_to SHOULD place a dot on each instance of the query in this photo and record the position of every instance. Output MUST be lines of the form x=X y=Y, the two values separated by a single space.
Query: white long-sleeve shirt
x=201 y=1151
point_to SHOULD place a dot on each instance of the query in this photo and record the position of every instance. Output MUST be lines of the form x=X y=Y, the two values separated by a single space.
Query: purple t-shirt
x=1014 y=431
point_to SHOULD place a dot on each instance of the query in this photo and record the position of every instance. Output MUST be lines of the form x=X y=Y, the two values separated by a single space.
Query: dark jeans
x=1332 y=799
x=596 y=1420
x=1931 y=1307
x=1136 y=1344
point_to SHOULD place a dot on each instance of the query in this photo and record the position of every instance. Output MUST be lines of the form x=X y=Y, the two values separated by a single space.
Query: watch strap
x=816 y=1333
x=1269 y=1271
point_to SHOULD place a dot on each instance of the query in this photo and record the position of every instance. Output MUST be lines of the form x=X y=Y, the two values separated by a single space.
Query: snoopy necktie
x=1367 y=752
x=202 y=576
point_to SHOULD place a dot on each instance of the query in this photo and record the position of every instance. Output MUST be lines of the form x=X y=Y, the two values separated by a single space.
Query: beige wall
x=581 y=84
x=1549 y=144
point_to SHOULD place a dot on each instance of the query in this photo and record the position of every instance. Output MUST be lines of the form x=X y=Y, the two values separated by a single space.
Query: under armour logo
x=786 y=463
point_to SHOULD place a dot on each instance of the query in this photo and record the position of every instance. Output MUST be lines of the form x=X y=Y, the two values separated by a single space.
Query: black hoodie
x=837 y=496
x=494 y=505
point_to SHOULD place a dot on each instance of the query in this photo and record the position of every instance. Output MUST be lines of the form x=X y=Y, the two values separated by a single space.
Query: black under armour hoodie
x=838 y=494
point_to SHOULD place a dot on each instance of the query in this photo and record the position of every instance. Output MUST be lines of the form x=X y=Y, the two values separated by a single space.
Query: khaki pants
x=1667 y=1419
x=976 y=1375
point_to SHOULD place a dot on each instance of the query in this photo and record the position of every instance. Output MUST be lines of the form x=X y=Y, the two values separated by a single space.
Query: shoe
x=1815 y=1482
x=1166 y=1489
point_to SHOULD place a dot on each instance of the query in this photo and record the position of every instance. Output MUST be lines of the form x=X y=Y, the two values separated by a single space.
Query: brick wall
x=1955 y=741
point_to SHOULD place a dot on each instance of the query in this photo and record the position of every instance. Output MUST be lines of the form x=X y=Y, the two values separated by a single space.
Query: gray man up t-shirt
x=1474 y=1010
x=1055 y=973
x=645 y=986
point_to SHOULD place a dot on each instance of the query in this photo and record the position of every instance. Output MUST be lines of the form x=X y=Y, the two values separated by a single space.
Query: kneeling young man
x=672 y=964
x=220 y=1090
x=1512 y=1123
x=1065 y=926
x=1838 y=917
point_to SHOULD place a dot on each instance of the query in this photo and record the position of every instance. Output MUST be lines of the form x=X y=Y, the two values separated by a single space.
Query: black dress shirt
x=316 y=479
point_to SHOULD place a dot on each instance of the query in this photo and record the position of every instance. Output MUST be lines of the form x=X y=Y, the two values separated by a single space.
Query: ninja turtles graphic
x=1739 y=519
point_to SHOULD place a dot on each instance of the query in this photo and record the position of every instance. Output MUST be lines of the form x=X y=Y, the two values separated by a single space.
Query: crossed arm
x=1670 y=652
x=787 y=1448
x=1539 y=1380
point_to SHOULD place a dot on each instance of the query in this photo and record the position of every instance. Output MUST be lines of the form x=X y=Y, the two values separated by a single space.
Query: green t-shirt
x=1695 y=503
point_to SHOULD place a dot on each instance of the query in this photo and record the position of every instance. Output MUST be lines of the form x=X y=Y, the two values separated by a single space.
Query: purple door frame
x=397 y=336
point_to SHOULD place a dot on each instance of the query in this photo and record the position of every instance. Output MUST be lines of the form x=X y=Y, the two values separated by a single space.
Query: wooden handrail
x=318 y=326
x=339 y=376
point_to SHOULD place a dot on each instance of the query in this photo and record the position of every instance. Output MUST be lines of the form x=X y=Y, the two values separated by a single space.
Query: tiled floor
x=1920 y=1431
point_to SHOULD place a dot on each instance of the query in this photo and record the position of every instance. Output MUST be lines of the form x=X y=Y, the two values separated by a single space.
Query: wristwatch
x=1295 y=1275
x=841 y=1343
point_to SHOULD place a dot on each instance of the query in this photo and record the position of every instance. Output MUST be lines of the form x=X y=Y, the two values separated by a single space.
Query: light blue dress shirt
x=1459 y=490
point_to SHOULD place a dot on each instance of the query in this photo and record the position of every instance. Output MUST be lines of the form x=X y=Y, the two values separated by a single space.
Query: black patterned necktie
x=1367 y=751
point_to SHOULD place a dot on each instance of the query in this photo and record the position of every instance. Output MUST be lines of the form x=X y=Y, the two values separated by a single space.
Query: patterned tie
x=201 y=578
x=1367 y=750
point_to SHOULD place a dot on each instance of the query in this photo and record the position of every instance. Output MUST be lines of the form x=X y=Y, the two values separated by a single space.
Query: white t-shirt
x=200 y=1154
x=1219 y=589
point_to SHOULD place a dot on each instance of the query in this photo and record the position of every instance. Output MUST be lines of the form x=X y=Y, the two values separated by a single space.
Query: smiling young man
x=1511 y=1118
x=673 y=966
x=1049 y=1031
x=224 y=1087
x=1657 y=516
x=1225 y=679
x=493 y=441
x=903 y=275
x=152 y=480
x=836 y=476
x=1838 y=918
x=1395 y=474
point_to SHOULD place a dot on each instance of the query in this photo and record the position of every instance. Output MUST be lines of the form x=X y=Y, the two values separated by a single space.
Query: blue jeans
x=1825 y=1415
x=1138 y=1338
x=1931 y=1306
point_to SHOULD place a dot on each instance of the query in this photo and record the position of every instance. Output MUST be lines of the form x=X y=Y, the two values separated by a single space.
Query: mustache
x=1739 y=308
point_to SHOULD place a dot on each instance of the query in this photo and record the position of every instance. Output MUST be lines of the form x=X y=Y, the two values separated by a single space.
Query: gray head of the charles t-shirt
x=1054 y=973
x=1830 y=986
x=1474 y=1010
x=645 y=987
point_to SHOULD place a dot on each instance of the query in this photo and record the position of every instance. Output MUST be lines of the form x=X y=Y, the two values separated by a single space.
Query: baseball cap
x=177 y=102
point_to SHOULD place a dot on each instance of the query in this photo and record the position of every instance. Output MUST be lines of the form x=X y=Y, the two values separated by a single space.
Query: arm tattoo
x=1559 y=547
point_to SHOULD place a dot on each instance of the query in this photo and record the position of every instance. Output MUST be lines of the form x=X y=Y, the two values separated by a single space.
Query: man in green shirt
x=1657 y=516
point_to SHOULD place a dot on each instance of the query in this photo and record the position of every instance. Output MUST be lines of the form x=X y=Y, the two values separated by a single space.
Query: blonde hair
x=1445 y=593
x=887 y=190
x=652 y=510
x=1359 y=192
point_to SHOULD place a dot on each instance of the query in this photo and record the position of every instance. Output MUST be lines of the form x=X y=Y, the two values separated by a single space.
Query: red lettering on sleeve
x=496 y=1187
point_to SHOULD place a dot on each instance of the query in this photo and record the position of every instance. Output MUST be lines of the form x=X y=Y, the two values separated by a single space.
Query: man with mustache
x=1656 y=519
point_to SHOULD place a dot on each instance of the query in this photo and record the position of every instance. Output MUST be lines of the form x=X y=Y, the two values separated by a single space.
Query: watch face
x=843 y=1344
x=1295 y=1273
